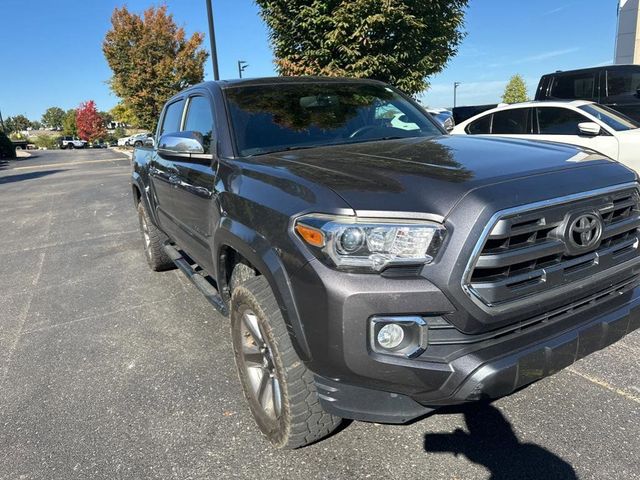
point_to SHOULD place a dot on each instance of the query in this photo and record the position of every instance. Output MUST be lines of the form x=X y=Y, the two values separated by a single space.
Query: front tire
x=153 y=240
x=278 y=387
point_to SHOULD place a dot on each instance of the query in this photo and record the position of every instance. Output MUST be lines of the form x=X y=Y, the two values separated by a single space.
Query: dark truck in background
x=377 y=272
x=616 y=86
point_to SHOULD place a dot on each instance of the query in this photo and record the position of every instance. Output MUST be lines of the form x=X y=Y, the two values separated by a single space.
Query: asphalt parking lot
x=108 y=370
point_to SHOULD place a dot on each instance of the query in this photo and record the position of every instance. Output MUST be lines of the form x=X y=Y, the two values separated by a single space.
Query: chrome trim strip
x=400 y=215
x=477 y=250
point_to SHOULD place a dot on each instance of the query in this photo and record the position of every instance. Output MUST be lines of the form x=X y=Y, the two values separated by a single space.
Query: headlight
x=360 y=244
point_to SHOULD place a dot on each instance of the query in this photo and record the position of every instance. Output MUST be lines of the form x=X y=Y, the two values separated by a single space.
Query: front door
x=194 y=206
x=556 y=124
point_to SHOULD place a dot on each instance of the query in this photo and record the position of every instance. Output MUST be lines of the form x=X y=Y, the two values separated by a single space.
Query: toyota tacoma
x=378 y=273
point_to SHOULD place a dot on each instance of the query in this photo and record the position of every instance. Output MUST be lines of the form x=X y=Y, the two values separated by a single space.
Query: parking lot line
x=606 y=385
x=67 y=164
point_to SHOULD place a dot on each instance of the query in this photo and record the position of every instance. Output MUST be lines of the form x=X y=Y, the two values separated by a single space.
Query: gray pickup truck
x=378 y=273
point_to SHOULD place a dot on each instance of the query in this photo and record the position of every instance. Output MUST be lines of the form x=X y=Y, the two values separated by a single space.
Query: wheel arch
x=236 y=243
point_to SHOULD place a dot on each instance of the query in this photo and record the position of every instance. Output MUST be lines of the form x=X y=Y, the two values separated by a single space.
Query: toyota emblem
x=585 y=231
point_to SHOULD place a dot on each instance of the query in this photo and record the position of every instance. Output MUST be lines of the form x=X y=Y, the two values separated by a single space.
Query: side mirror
x=181 y=144
x=589 y=129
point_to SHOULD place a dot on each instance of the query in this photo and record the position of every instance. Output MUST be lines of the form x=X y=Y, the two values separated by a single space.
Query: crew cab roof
x=251 y=82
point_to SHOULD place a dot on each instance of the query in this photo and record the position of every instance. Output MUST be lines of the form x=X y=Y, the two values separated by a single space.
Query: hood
x=429 y=175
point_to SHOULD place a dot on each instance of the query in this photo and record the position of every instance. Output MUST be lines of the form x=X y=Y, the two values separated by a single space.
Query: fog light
x=390 y=336
x=398 y=336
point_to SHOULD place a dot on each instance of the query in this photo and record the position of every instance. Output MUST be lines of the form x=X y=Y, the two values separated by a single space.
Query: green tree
x=69 y=126
x=401 y=42
x=151 y=60
x=516 y=90
x=123 y=114
x=53 y=118
x=17 y=123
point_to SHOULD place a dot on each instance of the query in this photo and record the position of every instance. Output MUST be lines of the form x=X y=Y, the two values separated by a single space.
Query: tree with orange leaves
x=151 y=59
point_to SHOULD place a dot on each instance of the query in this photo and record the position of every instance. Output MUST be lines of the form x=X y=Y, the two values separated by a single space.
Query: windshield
x=615 y=120
x=279 y=117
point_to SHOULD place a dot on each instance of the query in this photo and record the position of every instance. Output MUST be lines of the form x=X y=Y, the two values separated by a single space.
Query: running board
x=205 y=286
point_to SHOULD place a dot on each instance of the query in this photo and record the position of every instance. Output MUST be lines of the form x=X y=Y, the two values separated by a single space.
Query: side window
x=200 y=119
x=623 y=82
x=482 y=126
x=511 y=122
x=559 y=121
x=172 y=118
x=576 y=86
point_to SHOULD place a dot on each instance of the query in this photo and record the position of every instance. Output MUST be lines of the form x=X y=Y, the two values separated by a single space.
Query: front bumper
x=355 y=382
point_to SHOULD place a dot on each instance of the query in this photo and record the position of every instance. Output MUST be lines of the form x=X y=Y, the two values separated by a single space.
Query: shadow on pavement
x=491 y=442
x=27 y=176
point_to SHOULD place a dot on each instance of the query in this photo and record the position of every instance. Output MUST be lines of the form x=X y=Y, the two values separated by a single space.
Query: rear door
x=512 y=123
x=557 y=124
x=623 y=91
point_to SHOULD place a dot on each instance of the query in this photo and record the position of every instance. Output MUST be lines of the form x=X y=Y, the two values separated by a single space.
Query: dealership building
x=628 y=38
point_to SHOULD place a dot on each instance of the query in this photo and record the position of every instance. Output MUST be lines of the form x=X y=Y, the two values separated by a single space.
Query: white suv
x=71 y=143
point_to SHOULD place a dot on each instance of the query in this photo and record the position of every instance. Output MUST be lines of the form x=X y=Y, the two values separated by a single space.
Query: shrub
x=45 y=141
x=7 y=149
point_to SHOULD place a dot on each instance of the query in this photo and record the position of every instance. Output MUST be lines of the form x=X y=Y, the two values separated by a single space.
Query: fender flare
x=256 y=250
x=137 y=183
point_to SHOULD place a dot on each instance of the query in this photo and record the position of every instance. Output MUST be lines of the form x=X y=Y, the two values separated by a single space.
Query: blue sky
x=54 y=47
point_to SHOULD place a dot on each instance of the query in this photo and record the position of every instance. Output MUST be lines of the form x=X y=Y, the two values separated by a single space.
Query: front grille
x=527 y=251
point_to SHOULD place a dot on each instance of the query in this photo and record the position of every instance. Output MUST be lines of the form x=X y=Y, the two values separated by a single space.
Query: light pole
x=455 y=93
x=242 y=66
x=212 y=38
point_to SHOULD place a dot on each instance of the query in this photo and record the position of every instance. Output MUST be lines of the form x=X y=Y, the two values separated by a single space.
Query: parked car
x=138 y=140
x=378 y=273
x=579 y=122
x=98 y=144
x=616 y=86
x=461 y=114
x=444 y=116
x=71 y=143
x=123 y=142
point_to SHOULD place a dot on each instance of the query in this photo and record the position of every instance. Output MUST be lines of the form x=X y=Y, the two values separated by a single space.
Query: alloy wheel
x=259 y=365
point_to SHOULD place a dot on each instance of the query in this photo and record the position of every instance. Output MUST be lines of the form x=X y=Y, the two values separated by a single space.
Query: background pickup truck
x=373 y=267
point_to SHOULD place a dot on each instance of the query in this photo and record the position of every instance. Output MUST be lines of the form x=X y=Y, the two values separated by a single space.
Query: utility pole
x=455 y=93
x=212 y=38
x=2 y=123
x=242 y=65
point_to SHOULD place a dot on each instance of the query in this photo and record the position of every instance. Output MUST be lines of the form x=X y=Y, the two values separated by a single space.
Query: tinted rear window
x=574 y=86
x=623 y=82
x=510 y=122
x=481 y=126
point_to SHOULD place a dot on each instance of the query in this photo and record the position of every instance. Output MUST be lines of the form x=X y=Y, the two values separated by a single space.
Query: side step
x=192 y=272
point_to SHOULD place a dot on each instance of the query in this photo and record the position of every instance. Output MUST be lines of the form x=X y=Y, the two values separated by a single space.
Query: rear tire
x=278 y=387
x=153 y=240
